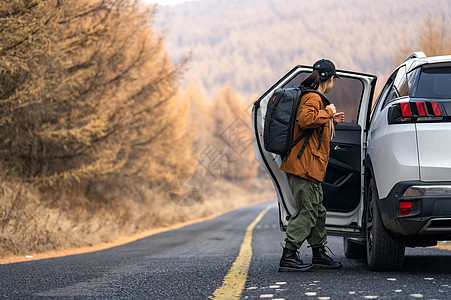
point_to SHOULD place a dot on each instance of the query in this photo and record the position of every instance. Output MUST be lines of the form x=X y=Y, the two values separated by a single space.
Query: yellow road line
x=234 y=281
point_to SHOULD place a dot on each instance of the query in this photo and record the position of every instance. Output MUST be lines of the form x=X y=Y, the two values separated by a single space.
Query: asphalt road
x=191 y=263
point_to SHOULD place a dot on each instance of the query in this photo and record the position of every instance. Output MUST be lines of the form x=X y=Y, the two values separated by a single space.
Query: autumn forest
x=114 y=120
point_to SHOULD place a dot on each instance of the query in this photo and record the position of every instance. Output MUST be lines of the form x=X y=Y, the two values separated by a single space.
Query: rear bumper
x=430 y=214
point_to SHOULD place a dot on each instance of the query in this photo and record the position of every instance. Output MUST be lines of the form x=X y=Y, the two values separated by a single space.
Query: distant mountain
x=251 y=43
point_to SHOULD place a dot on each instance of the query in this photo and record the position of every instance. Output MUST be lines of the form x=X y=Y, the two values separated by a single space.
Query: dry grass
x=32 y=222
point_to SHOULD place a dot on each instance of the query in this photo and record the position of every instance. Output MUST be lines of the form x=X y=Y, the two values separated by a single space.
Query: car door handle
x=342 y=148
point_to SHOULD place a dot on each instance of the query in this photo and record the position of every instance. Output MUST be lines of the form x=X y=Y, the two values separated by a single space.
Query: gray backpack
x=280 y=120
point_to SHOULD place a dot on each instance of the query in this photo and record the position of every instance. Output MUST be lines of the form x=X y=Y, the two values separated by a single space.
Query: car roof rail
x=418 y=54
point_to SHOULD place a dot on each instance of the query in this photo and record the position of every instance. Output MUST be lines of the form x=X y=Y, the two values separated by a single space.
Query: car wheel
x=353 y=249
x=384 y=250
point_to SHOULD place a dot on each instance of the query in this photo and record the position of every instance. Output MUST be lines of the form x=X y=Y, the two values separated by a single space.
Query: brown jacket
x=311 y=113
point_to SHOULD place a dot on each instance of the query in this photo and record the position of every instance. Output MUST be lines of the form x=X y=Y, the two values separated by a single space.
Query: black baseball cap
x=326 y=68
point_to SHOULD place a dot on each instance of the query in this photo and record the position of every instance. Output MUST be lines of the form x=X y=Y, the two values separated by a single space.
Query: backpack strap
x=307 y=134
x=300 y=138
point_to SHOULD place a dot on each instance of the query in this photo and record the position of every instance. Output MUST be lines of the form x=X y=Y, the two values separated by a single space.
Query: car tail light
x=419 y=111
x=405 y=208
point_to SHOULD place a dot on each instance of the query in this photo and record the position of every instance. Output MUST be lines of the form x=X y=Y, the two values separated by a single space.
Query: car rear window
x=434 y=83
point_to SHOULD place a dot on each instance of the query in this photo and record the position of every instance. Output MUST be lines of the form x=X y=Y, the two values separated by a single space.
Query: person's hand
x=339 y=117
x=334 y=110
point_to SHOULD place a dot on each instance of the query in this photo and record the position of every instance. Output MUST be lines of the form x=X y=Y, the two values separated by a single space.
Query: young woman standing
x=306 y=169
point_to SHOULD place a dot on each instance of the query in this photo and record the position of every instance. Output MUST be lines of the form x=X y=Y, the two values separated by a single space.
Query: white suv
x=388 y=181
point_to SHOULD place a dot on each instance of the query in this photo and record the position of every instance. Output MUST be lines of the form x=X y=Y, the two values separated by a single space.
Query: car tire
x=353 y=249
x=384 y=250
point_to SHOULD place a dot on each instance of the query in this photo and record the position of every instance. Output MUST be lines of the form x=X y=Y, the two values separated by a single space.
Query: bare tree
x=434 y=39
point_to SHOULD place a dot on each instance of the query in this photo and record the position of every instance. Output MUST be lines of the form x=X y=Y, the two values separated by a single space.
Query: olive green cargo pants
x=309 y=221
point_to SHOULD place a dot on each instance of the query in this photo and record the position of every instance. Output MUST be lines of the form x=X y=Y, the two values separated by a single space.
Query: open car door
x=343 y=190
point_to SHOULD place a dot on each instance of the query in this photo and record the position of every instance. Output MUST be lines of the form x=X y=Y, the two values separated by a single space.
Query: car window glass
x=412 y=80
x=401 y=82
x=393 y=94
x=399 y=87
x=383 y=94
x=434 y=83
x=296 y=81
x=346 y=94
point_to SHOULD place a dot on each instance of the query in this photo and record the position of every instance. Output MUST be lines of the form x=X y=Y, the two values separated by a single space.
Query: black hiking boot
x=323 y=261
x=290 y=262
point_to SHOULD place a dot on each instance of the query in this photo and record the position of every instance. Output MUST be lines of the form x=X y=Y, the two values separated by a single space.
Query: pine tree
x=87 y=93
